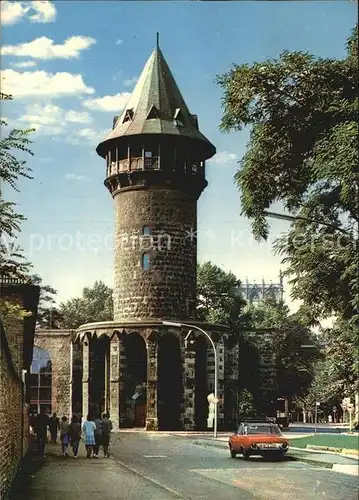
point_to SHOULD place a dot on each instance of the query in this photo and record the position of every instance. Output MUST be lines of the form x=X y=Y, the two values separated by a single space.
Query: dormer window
x=128 y=116
x=195 y=120
x=153 y=113
x=178 y=117
x=115 y=120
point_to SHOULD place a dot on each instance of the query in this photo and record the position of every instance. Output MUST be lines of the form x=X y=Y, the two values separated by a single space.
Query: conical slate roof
x=156 y=106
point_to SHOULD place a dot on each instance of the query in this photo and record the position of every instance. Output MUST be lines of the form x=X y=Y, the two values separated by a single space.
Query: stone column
x=106 y=370
x=71 y=379
x=220 y=409
x=86 y=345
x=231 y=389
x=117 y=396
x=189 y=374
x=152 y=361
x=114 y=396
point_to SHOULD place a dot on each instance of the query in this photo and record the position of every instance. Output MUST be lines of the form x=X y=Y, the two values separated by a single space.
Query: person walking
x=41 y=423
x=64 y=436
x=88 y=428
x=74 y=433
x=98 y=435
x=106 y=433
x=54 y=427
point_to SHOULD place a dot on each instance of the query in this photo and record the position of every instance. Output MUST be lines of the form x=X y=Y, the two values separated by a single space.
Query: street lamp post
x=187 y=325
x=293 y=218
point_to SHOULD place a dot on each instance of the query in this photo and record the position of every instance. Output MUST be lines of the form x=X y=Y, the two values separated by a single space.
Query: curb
x=351 y=470
x=342 y=468
x=307 y=450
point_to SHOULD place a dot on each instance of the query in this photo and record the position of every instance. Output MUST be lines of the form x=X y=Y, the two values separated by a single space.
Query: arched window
x=254 y=298
x=146 y=231
x=145 y=261
x=40 y=380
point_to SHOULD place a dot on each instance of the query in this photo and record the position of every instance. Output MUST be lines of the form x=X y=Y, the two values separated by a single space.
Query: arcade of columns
x=182 y=404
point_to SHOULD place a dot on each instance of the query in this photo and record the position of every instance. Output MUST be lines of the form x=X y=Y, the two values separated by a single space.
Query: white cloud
x=45 y=48
x=74 y=177
x=223 y=158
x=86 y=136
x=45 y=129
x=78 y=117
x=130 y=82
x=119 y=42
x=13 y=12
x=25 y=64
x=45 y=12
x=109 y=102
x=42 y=115
x=41 y=83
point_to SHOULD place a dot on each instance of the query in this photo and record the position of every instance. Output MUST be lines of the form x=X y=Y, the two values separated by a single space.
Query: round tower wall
x=158 y=224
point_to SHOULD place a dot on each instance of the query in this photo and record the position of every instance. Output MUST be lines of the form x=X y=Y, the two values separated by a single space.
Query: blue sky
x=81 y=52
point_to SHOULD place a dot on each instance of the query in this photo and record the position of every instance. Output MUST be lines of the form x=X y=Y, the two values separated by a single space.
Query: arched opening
x=169 y=383
x=201 y=384
x=254 y=298
x=136 y=380
x=40 y=381
x=97 y=375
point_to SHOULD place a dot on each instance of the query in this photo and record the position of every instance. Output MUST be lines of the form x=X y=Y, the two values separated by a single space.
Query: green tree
x=291 y=361
x=48 y=315
x=12 y=261
x=218 y=300
x=303 y=116
x=95 y=304
x=246 y=405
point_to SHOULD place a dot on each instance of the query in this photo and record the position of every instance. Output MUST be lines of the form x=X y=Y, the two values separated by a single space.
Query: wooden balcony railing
x=153 y=163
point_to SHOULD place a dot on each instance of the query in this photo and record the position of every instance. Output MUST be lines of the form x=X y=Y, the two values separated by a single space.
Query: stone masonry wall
x=10 y=423
x=57 y=344
x=168 y=288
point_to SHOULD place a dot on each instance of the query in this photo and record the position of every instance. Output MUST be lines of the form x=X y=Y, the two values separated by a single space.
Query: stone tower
x=155 y=171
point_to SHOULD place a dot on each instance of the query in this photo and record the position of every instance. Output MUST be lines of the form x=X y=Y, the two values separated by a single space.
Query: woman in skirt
x=88 y=428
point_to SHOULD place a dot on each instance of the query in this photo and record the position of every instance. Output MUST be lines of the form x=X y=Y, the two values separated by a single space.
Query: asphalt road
x=187 y=470
x=146 y=466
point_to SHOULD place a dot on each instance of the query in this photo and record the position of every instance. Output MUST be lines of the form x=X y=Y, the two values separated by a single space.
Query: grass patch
x=333 y=441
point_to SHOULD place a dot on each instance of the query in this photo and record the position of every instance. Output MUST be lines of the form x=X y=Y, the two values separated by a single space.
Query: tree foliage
x=303 y=152
x=292 y=362
x=218 y=300
x=48 y=315
x=95 y=304
x=12 y=261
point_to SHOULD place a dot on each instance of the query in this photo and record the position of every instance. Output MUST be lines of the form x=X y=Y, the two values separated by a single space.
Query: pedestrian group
x=95 y=432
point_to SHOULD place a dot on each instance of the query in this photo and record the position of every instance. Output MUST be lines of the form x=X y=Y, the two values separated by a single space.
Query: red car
x=258 y=438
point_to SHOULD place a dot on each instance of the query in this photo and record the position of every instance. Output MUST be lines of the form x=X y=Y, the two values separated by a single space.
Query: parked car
x=258 y=437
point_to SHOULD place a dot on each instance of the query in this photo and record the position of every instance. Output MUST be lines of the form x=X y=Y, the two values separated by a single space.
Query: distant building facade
x=255 y=293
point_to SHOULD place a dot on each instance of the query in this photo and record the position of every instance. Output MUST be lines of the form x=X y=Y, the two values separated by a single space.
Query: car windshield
x=263 y=429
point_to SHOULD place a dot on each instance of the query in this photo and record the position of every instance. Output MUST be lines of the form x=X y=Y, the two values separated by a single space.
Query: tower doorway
x=169 y=376
x=136 y=380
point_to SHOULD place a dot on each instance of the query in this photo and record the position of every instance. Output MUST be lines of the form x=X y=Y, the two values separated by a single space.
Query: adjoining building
x=16 y=346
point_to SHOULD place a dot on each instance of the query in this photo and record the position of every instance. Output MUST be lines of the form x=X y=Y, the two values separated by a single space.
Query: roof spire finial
x=157 y=39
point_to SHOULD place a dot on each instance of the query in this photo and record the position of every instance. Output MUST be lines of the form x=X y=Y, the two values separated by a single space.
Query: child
x=64 y=437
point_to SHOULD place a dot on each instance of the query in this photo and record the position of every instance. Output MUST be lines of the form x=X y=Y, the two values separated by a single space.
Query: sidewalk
x=59 y=478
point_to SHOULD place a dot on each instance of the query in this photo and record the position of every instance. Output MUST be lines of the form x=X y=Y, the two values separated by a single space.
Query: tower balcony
x=154 y=163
